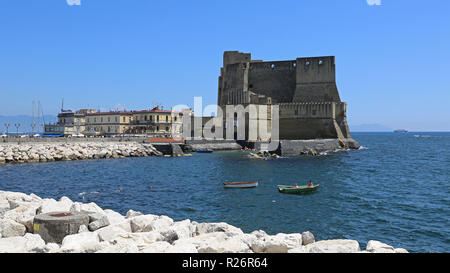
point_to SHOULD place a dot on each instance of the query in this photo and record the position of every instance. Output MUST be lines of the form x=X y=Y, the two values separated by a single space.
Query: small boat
x=204 y=151
x=250 y=184
x=297 y=189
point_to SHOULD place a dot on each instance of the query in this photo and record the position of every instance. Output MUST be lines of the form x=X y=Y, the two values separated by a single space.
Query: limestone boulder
x=379 y=247
x=97 y=221
x=114 y=217
x=10 y=228
x=215 y=242
x=334 y=246
x=22 y=244
x=279 y=243
x=131 y=213
x=85 y=242
x=307 y=238
x=110 y=232
x=202 y=228
x=50 y=205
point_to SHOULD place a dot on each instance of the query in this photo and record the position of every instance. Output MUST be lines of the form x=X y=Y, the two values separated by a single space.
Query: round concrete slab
x=54 y=226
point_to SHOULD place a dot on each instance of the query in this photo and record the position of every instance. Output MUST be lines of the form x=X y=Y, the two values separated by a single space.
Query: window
x=167 y=128
x=167 y=118
x=151 y=118
x=157 y=118
x=123 y=119
x=314 y=112
x=296 y=112
x=157 y=128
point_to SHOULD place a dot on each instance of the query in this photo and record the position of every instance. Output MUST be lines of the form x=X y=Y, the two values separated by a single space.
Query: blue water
x=395 y=189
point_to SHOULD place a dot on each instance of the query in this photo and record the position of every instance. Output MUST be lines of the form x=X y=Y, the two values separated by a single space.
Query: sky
x=392 y=60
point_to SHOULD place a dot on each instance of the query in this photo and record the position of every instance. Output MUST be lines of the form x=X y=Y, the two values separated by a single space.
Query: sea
x=394 y=189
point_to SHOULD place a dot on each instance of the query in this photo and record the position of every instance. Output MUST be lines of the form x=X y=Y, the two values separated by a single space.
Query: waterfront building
x=157 y=123
x=107 y=123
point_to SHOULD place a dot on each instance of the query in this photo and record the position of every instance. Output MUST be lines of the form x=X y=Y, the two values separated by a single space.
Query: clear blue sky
x=392 y=61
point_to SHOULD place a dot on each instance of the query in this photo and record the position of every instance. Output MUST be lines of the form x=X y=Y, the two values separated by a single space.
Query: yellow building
x=156 y=122
x=108 y=123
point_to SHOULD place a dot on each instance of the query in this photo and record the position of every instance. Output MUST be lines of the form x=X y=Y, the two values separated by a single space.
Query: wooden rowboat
x=250 y=184
x=297 y=189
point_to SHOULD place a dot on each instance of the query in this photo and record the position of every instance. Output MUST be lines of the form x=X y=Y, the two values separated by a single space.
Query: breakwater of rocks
x=64 y=151
x=106 y=231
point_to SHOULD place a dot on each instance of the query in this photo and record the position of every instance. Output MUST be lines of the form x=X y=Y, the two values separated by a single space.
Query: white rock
x=400 y=250
x=307 y=238
x=110 y=232
x=102 y=222
x=202 y=228
x=10 y=228
x=279 y=243
x=86 y=208
x=24 y=214
x=215 y=242
x=140 y=239
x=34 y=243
x=22 y=244
x=85 y=242
x=334 y=246
x=157 y=247
x=379 y=247
x=142 y=223
x=83 y=228
x=50 y=205
x=51 y=248
x=120 y=247
x=131 y=213
x=301 y=249
x=114 y=217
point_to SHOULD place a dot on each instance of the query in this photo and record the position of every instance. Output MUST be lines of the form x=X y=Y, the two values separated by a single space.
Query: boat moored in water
x=249 y=184
x=297 y=189
x=204 y=151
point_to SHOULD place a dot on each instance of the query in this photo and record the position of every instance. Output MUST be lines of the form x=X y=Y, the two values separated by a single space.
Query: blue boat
x=204 y=151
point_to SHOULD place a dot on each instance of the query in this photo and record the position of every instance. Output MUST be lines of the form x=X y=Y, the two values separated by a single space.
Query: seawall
x=106 y=231
x=66 y=151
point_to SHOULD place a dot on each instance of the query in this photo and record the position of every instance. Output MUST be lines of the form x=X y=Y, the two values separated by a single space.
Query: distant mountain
x=24 y=121
x=370 y=128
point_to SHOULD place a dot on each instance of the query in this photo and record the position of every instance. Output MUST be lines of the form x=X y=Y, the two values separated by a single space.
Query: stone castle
x=304 y=89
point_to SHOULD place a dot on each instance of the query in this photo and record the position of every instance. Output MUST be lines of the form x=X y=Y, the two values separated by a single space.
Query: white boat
x=249 y=184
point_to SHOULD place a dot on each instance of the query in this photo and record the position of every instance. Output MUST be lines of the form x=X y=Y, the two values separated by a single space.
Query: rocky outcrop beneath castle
x=216 y=145
x=315 y=146
x=60 y=151
x=111 y=232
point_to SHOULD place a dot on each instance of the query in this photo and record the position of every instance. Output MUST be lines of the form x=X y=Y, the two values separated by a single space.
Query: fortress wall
x=307 y=128
x=232 y=84
x=312 y=120
x=273 y=79
x=316 y=80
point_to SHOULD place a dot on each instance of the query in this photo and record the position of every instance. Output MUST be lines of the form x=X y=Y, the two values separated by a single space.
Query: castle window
x=294 y=64
x=272 y=66
x=296 y=112
x=314 y=112
x=320 y=62
x=307 y=63
x=250 y=85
